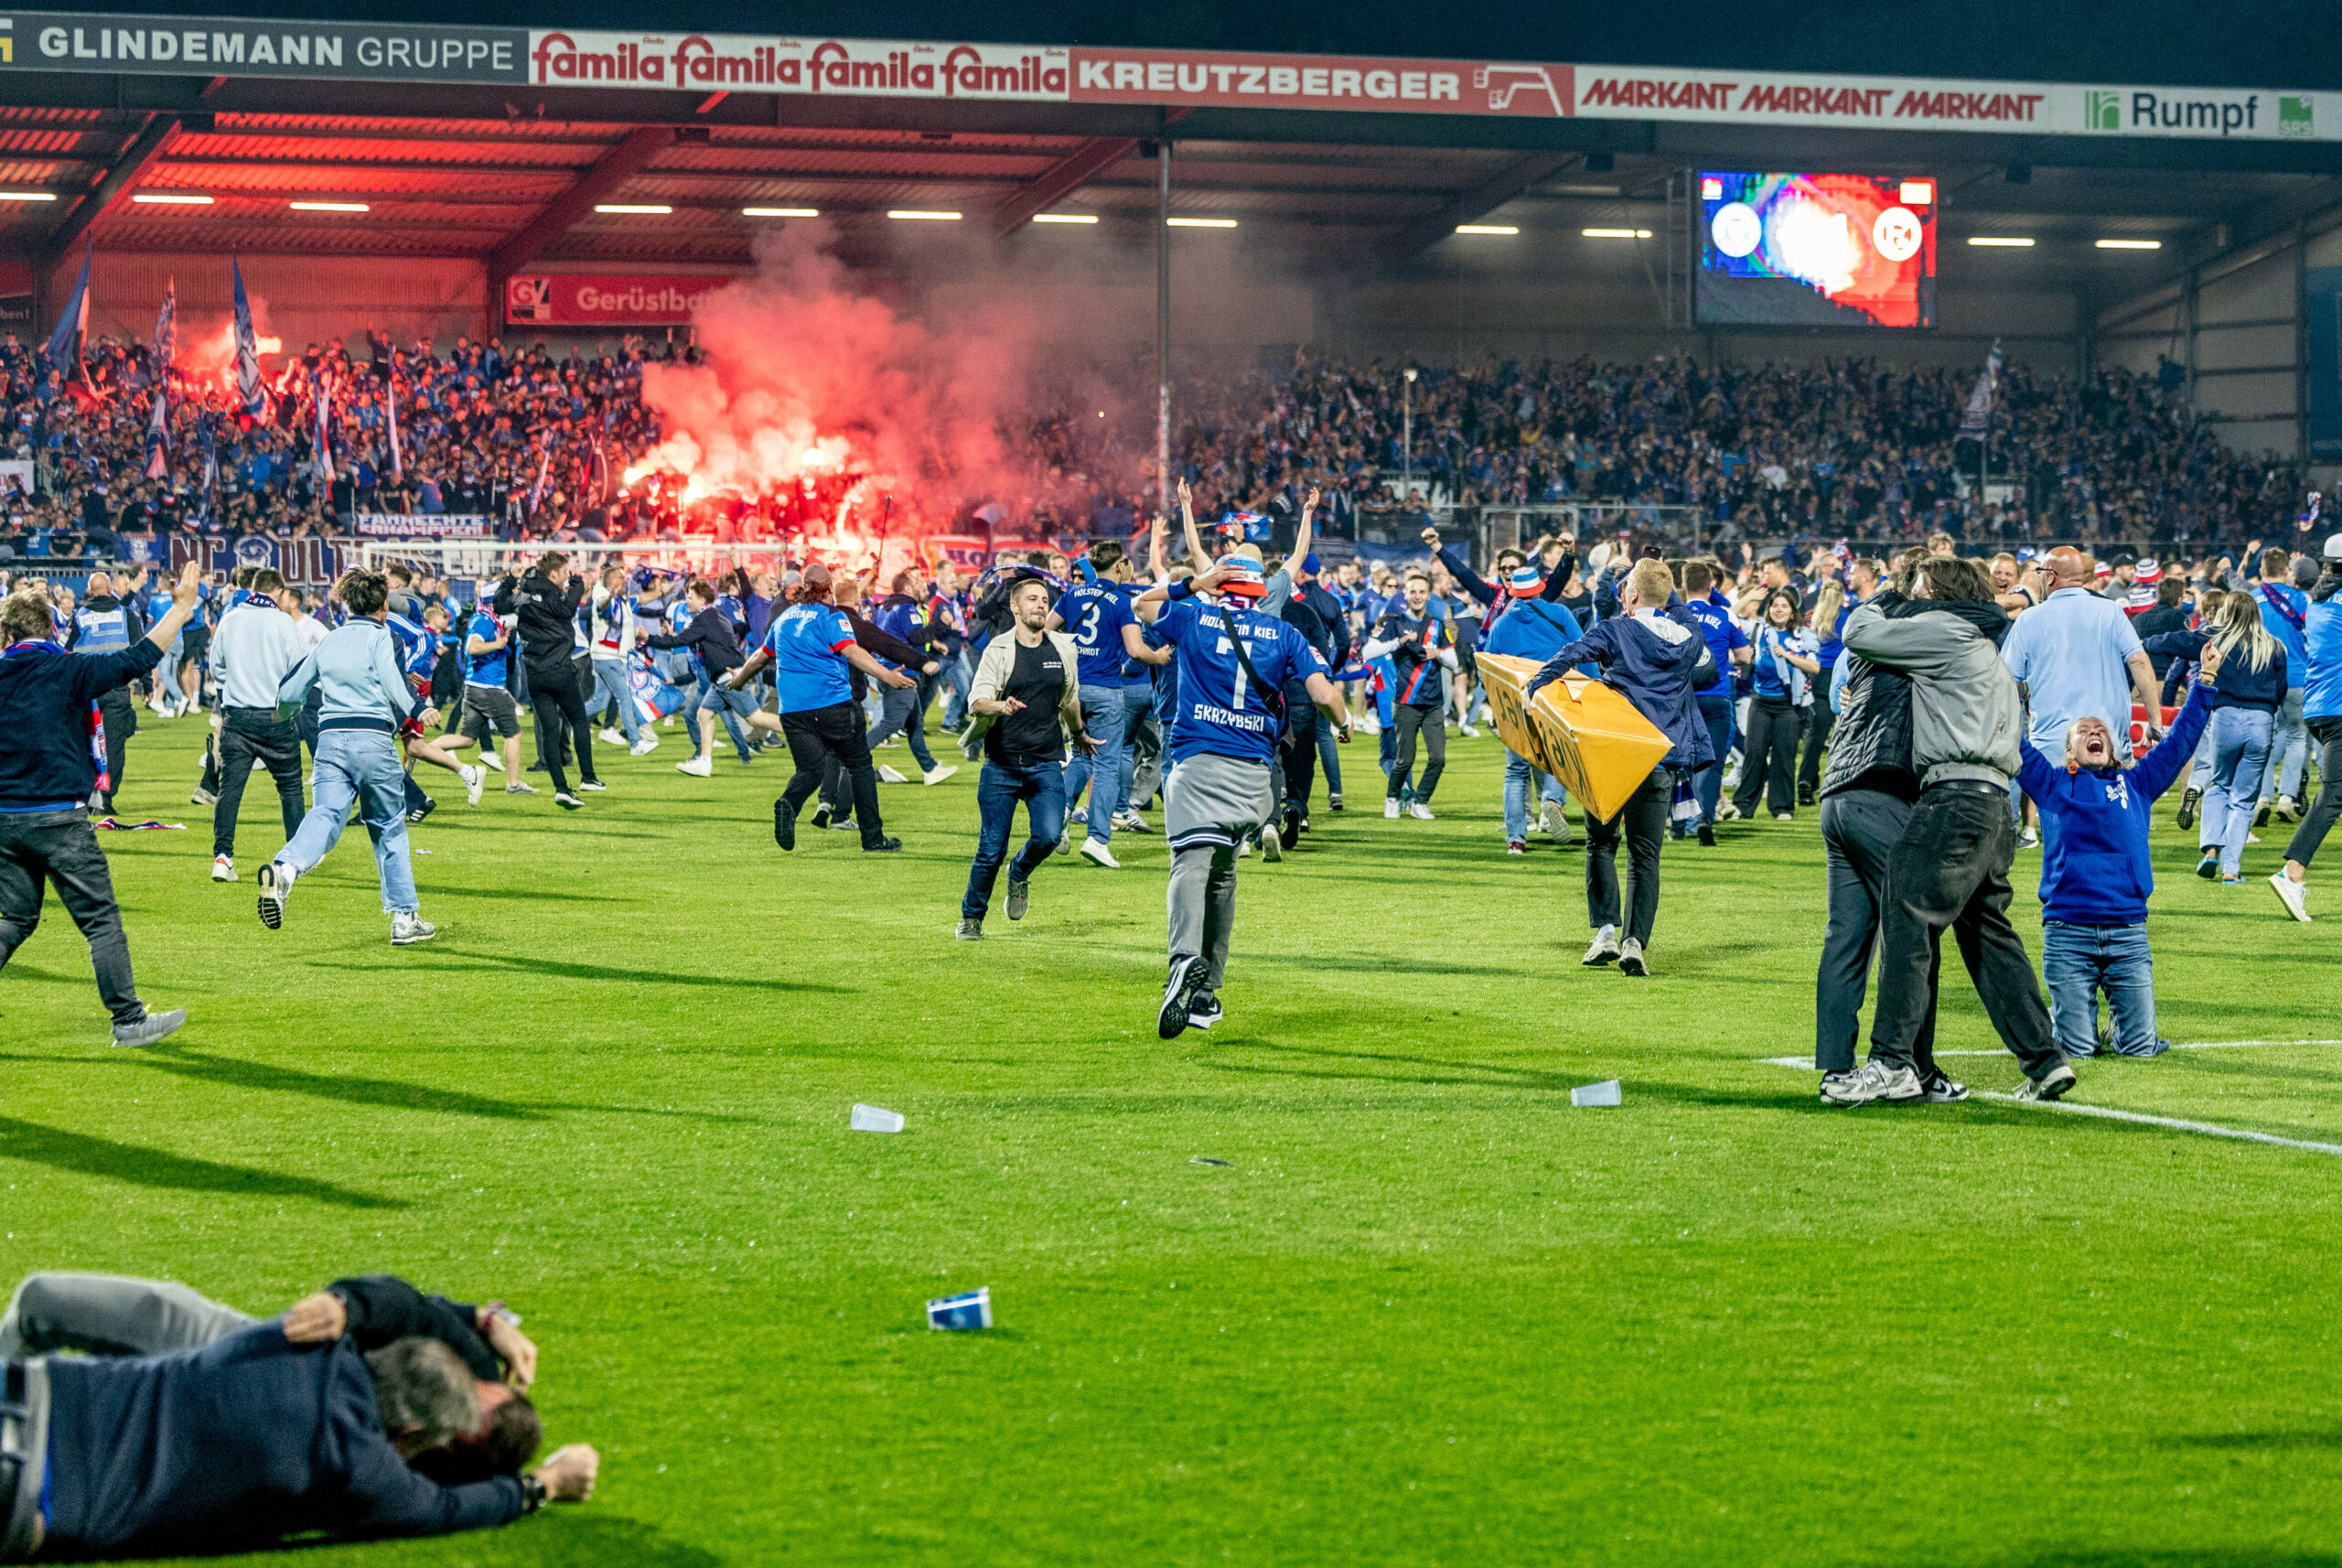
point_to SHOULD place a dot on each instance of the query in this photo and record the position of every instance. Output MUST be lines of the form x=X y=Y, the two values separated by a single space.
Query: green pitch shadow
x=142 y=1167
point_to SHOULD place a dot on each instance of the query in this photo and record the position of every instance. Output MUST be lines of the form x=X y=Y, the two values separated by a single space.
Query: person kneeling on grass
x=2096 y=872
x=1027 y=703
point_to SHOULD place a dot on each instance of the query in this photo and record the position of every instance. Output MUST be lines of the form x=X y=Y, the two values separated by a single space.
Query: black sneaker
x=784 y=823
x=424 y=809
x=1179 y=996
x=821 y=814
x=2186 y=818
x=1290 y=834
x=883 y=847
x=535 y=767
x=1708 y=834
x=1937 y=1088
x=1019 y=891
x=1204 y=1011
x=1334 y=800
x=1805 y=794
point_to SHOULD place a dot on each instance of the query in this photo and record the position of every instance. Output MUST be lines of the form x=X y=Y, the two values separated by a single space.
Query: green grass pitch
x=1427 y=1314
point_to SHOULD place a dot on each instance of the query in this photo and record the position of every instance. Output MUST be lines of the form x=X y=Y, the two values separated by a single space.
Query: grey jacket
x=992 y=670
x=1965 y=718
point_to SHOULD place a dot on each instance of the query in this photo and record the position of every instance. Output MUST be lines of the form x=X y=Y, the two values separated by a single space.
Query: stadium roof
x=513 y=170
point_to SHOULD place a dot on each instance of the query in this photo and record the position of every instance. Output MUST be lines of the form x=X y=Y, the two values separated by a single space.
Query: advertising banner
x=195 y=46
x=424 y=525
x=1206 y=78
x=564 y=299
x=853 y=67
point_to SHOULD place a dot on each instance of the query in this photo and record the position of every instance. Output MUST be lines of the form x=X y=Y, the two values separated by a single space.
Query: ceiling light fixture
x=780 y=213
x=1616 y=233
x=2129 y=244
x=1065 y=217
x=1486 y=229
x=638 y=209
x=27 y=196
x=171 y=198
x=2002 y=242
x=1201 y=222
x=326 y=206
x=915 y=215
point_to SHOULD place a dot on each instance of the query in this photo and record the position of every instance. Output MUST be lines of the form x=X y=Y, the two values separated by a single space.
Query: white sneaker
x=1630 y=958
x=1131 y=822
x=592 y=785
x=1391 y=809
x=521 y=788
x=489 y=759
x=475 y=779
x=223 y=869
x=408 y=929
x=645 y=747
x=1244 y=849
x=670 y=721
x=2288 y=809
x=1420 y=812
x=1370 y=727
x=2290 y=893
x=1550 y=820
x=2032 y=840
x=275 y=887
x=888 y=776
x=567 y=801
x=698 y=767
x=611 y=736
x=1604 y=948
x=1875 y=1080
x=1469 y=733
x=937 y=774
x=1097 y=854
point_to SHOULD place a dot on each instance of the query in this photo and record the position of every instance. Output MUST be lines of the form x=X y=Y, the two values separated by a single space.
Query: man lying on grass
x=360 y=1412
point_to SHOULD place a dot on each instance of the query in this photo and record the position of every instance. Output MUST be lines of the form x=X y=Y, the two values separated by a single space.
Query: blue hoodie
x=2095 y=869
x=1650 y=663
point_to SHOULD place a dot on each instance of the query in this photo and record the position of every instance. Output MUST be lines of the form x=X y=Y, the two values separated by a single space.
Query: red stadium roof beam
x=128 y=169
x=1065 y=176
x=596 y=184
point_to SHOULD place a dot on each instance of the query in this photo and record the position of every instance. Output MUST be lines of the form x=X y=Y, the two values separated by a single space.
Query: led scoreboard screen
x=1817 y=250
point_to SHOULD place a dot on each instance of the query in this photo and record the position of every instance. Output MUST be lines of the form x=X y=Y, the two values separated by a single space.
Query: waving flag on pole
x=63 y=343
x=1978 y=418
x=544 y=472
x=166 y=329
x=324 y=393
x=156 y=437
x=210 y=455
x=398 y=465
x=248 y=385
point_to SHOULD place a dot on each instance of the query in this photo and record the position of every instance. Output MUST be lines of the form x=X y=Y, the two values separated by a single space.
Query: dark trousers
x=560 y=713
x=1715 y=711
x=1298 y=747
x=1860 y=829
x=2320 y=817
x=999 y=788
x=245 y=734
x=1951 y=868
x=1768 y=760
x=1818 y=722
x=1432 y=724
x=1642 y=822
x=119 y=712
x=819 y=736
x=41 y=847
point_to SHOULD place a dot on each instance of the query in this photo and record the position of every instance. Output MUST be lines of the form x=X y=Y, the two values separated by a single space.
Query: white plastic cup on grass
x=1603 y=1093
x=969 y=1309
x=871 y=1119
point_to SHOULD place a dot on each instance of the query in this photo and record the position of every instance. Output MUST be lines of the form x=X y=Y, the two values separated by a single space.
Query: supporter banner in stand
x=564 y=299
x=304 y=562
x=18 y=471
x=424 y=525
x=234 y=46
x=1044 y=74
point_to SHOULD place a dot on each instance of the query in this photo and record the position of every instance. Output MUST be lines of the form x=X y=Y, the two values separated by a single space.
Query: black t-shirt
x=1031 y=736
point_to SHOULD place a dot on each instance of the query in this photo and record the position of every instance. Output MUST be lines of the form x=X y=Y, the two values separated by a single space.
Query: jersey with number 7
x=1222 y=711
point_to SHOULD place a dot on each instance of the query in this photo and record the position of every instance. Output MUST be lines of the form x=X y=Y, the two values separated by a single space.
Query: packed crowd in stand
x=539 y=440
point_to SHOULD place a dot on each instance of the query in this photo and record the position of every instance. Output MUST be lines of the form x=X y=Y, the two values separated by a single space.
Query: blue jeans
x=2288 y=750
x=998 y=789
x=706 y=695
x=1715 y=707
x=2079 y=961
x=1518 y=774
x=955 y=679
x=734 y=706
x=1102 y=716
x=359 y=765
x=2239 y=756
x=1140 y=736
x=610 y=680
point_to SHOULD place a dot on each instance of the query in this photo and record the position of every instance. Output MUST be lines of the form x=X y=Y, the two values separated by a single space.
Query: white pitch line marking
x=2107 y=1113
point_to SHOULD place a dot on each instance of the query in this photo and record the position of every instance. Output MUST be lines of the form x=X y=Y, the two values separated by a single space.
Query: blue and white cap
x=1248 y=580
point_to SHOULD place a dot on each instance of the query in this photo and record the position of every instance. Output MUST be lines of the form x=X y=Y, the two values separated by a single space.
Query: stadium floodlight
x=1065 y=217
x=327 y=206
x=1616 y=233
x=27 y=196
x=2129 y=244
x=2000 y=241
x=918 y=215
x=780 y=213
x=639 y=209
x=1486 y=229
x=171 y=198
x=1201 y=222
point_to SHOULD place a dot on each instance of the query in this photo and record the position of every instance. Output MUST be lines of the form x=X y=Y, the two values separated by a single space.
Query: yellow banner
x=1580 y=731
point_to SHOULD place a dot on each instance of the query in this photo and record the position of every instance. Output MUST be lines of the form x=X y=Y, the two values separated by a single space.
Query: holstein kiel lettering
x=858 y=67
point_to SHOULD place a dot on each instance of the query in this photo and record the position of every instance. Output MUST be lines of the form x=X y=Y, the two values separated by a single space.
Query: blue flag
x=158 y=438
x=1977 y=419
x=74 y=322
x=248 y=385
x=166 y=329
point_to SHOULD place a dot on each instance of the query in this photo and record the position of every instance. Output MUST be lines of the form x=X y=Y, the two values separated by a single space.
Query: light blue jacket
x=357 y=669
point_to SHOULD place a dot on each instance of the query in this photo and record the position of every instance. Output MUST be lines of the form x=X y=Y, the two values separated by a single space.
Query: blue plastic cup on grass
x=969 y=1309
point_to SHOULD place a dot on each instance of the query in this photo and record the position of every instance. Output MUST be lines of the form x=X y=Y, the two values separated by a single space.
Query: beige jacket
x=992 y=670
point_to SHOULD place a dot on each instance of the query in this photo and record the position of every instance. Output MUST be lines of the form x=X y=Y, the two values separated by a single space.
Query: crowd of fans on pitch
x=539 y=438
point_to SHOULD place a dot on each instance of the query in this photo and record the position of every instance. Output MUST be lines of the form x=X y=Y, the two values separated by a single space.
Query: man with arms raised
x=1233 y=664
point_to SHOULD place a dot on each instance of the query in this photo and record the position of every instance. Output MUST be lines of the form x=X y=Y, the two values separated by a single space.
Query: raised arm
x=1196 y=551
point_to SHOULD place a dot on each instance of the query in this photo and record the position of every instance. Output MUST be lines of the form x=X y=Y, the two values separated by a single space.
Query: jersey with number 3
x=1094 y=615
x=1221 y=711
